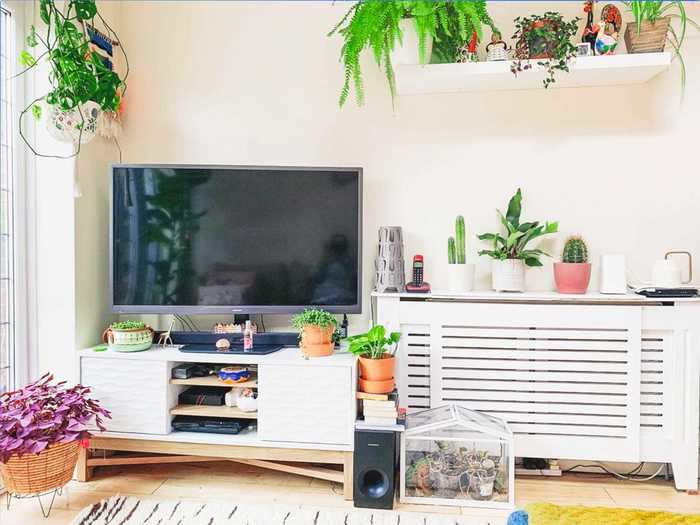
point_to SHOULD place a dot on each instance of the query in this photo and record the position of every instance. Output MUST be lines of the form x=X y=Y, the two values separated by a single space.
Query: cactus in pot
x=573 y=273
x=460 y=274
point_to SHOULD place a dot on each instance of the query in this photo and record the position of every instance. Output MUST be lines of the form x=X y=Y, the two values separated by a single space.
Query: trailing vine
x=545 y=37
x=77 y=74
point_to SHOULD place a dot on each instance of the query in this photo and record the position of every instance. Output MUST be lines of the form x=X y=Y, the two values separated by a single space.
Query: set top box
x=235 y=239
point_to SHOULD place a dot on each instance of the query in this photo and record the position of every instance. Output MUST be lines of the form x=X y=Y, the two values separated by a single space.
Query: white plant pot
x=460 y=277
x=508 y=275
x=408 y=52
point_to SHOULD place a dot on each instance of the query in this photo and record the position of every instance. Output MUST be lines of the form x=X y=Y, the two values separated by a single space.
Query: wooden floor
x=230 y=481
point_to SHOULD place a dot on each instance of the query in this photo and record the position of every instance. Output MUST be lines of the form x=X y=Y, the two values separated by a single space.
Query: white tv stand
x=582 y=377
x=306 y=411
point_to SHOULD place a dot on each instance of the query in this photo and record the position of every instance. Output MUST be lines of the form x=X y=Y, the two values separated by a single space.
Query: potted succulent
x=41 y=427
x=376 y=359
x=460 y=275
x=652 y=28
x=406 y=30
x=510 y=252
x=546 y=38
x=316 y=331
x=573 y=273
x=128 y=336
x=83 y=85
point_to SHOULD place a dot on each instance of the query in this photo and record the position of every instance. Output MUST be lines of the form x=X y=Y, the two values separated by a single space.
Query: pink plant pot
x=572 y=277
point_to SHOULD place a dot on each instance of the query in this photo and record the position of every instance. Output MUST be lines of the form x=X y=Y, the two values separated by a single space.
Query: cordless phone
x=418 y=285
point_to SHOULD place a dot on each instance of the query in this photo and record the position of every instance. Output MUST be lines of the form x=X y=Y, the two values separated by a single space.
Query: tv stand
x=294 y=395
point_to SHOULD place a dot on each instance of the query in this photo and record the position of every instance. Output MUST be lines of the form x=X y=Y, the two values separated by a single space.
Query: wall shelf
x=212 y=411
x=215 y=381
x=614 y=70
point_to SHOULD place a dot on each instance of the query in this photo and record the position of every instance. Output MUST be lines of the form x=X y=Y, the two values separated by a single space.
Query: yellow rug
x=548 y=514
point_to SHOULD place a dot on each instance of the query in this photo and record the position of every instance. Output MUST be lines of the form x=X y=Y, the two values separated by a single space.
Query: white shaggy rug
x=120 y=510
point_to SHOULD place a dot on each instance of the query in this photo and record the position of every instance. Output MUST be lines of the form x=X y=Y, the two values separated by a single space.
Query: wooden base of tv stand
x=303 y=462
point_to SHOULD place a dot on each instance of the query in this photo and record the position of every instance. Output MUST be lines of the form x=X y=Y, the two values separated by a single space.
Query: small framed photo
x=584 y=50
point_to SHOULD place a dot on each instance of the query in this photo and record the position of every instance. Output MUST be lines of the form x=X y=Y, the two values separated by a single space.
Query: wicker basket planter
x=650 y=39
x=40 y=473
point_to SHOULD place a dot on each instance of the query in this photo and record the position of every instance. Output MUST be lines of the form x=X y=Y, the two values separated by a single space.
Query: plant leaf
x=514 y=209
x=36 y=111
x=26 y=59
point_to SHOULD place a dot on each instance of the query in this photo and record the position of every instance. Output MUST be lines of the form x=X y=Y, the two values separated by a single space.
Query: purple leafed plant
x=41 y=414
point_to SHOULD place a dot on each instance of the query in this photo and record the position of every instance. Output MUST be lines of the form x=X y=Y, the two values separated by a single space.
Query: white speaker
x=613 y=274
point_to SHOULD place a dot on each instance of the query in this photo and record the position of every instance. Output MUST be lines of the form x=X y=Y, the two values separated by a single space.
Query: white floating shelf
x=613 y=70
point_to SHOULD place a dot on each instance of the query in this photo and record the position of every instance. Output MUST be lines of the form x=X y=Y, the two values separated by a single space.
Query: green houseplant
x=316 y=331
x=510 y=251
x=460 y=275
x=375 y=350
x=652 y=28
x=546 y=38
x=381 y=26
x=573 y=273
x=82 y=83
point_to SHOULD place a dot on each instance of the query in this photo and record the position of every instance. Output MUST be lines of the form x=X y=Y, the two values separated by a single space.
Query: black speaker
x=374 y=469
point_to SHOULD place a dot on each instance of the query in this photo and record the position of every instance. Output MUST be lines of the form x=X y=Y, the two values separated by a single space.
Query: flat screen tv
x=235 y=239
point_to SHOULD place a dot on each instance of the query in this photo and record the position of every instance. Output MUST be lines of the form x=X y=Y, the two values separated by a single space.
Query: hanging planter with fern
x=85 y=90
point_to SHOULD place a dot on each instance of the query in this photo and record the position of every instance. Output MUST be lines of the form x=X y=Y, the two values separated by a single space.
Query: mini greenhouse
x=451 y=455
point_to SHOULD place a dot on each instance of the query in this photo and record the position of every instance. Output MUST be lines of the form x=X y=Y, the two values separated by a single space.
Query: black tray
x=235 y=349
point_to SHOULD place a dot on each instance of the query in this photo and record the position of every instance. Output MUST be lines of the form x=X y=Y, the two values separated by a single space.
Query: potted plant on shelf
x=510 y=252
x=405 y=29
x=41 y=426
x=316 y=328
x=652 y=28
x=375 y=352
x=546 y=38
x=460 y=275
x=83 y=85
x=129 y=336
x=573 y=273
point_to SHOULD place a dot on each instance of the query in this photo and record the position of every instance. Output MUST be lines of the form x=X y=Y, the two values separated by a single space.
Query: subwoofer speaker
x=374 y=469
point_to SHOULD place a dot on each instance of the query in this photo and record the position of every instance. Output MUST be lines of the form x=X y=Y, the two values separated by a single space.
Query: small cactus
x=575 y=251
x=451 y=251
x=459 y=240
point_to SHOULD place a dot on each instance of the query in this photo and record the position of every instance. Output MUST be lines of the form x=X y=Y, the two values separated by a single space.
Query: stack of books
x=380 y=410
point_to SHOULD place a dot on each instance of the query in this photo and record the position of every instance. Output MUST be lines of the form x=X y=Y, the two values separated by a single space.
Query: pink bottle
x=248 y=337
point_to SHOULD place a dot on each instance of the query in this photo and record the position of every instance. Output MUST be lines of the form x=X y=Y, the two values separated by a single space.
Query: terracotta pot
x=377 y=387
x=572 y=277
x=377 y=369
x=317 y=341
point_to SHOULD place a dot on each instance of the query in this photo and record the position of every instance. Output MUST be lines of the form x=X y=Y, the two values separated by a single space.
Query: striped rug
x=120 y=510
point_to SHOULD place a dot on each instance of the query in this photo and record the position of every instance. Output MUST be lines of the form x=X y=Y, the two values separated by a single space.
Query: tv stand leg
x=82 y=471
x=348 y=476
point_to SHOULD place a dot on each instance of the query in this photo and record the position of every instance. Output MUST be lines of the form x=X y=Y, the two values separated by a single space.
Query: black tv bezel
x=233 y=309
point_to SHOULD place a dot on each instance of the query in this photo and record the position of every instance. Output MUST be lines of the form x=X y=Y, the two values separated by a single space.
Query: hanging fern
x=374 y=25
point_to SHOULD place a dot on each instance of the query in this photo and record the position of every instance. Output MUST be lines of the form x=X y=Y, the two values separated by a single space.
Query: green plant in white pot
x=460 y=275
x=510 y=252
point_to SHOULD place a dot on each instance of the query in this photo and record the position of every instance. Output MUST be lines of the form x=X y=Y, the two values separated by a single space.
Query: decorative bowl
x=231 y=375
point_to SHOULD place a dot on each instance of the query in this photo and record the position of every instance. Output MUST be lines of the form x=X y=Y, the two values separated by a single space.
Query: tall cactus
x=451 y=251
x=575 y=251
x=459 y=241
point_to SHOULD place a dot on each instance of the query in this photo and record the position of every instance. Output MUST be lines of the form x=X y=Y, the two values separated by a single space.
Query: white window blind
x=7 y=177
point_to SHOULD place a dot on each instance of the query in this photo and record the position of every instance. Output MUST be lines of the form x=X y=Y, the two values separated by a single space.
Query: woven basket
x=43 y=472
x=651 y=38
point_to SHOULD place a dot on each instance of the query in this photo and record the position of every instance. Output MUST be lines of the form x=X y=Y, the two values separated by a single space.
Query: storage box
x=202 y=395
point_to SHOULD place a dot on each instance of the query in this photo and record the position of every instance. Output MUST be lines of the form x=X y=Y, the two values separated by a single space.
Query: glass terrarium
x=451 y=455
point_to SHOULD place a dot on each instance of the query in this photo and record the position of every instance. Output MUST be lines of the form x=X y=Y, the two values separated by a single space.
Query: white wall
x=257 y=82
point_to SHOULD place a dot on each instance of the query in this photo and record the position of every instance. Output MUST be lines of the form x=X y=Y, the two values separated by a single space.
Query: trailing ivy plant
x=374 y=25
x=76 y=73
x=546 y=37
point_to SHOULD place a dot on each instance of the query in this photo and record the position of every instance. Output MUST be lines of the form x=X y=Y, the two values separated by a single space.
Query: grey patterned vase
x=389 y=263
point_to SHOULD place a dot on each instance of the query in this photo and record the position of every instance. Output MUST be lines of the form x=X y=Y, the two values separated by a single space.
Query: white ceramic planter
x=408 y=52
x=460 y=277
x=508 y=275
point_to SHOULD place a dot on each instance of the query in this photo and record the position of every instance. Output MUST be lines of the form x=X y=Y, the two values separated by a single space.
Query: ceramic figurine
x=467 y=52
x=223 y=344
x=609 y=32
x=497 y=49
x=590 y=32
x=165 y=338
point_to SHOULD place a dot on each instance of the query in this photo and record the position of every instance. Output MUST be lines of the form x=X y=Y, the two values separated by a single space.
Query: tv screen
x=189 y=239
